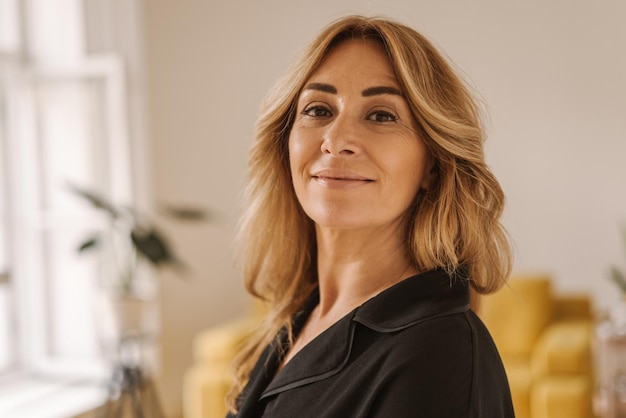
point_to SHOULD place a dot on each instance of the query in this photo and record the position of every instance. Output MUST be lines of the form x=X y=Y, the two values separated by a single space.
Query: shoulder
x=454 y=351
x=426 y=367
x=433 y=367
x=436 y=355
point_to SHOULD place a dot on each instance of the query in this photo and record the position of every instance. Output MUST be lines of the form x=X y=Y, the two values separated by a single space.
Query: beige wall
x=553 y=75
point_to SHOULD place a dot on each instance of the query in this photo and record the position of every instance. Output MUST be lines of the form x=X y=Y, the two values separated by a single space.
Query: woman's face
x=356 y=158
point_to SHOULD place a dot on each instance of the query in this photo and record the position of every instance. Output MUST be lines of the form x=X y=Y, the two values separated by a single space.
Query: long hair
x=455 y=223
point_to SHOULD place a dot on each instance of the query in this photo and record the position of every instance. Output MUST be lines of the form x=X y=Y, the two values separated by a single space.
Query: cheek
x=297 y=161
x=294 y=156
x=407 y=166
x=301 y=152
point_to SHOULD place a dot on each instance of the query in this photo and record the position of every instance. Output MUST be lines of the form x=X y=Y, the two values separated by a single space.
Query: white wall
x=553 y=76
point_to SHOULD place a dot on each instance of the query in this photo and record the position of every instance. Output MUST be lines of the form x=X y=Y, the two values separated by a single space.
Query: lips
x=338 y=178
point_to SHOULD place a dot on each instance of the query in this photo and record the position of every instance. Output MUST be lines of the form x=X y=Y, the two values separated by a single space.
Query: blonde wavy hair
x=452 y=224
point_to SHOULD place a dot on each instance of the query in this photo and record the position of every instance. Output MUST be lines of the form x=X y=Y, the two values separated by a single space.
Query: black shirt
x=414 y=350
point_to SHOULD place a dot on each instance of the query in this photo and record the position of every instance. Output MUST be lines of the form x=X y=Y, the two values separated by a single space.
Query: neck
x=355 y=265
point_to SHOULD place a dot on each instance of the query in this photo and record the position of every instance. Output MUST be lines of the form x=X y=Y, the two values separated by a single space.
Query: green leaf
x=152 y=245
x=618 y=277
x=186 y=213
x=89 y=244
x=96 y=200
x=623 y=230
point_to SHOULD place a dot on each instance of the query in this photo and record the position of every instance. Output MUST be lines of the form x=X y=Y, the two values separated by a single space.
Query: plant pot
x=610 y=361
x=130 y=314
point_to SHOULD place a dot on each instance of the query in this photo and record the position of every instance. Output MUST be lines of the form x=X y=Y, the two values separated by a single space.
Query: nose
x=341 y=137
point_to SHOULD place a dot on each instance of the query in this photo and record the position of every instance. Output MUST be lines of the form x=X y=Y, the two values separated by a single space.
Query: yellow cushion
x=572 y=306
x=204 y=392
x=564 y=347
x=520 y=378
x=208 y=381
x=517 y=314
x=561 y=397
x=222 y=343
x=544 y=341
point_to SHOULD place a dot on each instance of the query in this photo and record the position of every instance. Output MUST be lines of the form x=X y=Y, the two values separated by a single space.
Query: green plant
x=616 y=274
x=132 y=238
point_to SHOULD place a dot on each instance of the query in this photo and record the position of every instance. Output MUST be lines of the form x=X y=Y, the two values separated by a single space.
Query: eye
x=317 y=111
x=382 y=116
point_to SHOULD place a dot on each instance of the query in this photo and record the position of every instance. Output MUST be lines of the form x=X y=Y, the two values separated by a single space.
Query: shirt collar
x=424 y=296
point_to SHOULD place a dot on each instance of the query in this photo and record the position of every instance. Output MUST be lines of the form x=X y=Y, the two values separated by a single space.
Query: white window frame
x=29 y=275
x=28 y=75
x=6 y=305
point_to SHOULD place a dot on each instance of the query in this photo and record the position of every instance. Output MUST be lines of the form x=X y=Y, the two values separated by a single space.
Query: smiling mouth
x=331 y=178
x=338 y=175
x=341 y=182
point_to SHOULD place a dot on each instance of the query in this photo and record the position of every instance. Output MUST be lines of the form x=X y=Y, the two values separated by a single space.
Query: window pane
x=4 y=262
x=9 y=26
x=63 y=122
x=55 y=30
x=71 y=284
x=73 y=149
x=7 y=336
x=71 y=131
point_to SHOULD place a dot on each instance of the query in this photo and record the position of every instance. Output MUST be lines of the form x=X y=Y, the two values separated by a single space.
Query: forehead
x=364 y=59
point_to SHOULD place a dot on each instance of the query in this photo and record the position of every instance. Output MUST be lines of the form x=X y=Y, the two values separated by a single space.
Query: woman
x=371 y=213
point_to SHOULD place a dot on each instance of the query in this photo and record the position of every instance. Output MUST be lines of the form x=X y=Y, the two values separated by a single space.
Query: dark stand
x=130 y=392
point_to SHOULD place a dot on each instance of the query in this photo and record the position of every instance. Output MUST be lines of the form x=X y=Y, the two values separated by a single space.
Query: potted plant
x=128 y=241
x=609 y=350
x=617 y=274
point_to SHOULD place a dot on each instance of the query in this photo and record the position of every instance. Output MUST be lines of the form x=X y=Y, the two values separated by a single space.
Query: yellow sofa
x=545 y=343
x=207 y=382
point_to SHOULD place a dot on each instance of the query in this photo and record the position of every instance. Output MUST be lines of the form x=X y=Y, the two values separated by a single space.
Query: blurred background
x=153 y=102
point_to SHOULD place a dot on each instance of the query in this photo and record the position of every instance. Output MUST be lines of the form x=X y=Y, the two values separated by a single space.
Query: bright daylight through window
x=8 y=44
x=63 y=120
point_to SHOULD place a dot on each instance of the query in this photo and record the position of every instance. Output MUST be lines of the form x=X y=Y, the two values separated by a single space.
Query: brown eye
x=382 y=117
x=317 y=111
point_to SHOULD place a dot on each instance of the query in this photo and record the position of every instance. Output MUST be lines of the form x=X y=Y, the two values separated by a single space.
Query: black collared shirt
x=414 y=350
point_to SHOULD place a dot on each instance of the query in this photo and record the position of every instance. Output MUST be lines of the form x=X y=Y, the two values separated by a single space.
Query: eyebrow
x=368 y=92
x=375 y=91
x=326 y=88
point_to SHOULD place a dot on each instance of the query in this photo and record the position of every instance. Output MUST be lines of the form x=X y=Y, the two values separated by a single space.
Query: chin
x=343 y=221
x=334 y=220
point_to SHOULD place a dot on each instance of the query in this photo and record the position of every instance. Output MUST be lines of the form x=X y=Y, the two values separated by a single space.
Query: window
x=7 y=346
x=64 y=118
x=9 y=45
